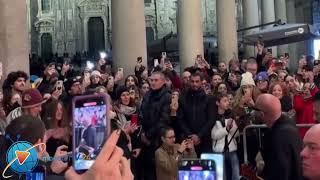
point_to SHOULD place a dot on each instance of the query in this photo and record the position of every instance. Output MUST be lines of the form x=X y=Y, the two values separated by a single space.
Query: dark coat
x=194 y=114
x=282 y=147
x=155 y=112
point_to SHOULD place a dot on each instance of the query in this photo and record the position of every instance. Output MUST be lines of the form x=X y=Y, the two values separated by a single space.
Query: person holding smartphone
x=223 y=136
x=169 y=153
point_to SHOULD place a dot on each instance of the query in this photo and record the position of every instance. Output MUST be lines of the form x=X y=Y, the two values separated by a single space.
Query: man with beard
x=193 y=115
x=14 y=84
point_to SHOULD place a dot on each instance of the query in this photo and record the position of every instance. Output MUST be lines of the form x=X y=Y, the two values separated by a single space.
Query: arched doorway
x=46 y=46
x=96 y=36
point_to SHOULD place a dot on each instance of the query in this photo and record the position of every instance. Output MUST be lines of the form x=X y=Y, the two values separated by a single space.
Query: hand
x=183 y=146
x=136 y=152
x=57 y=165
x=56 y=94
x=229 y=125
x=190 y=144
x=174 y=106
x=195 y=138
x=130 y=128
x=109 y=164
x=101 y=62
x=47 y=96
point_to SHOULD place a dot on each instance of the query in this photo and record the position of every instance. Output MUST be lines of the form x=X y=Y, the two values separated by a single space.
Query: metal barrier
x=256 y=126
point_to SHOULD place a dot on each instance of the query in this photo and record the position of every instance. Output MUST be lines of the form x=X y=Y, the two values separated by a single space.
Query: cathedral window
x=45 y=5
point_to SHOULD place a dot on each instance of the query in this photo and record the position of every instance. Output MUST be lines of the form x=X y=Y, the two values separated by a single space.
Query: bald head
x=311 y=153
x=271 y=108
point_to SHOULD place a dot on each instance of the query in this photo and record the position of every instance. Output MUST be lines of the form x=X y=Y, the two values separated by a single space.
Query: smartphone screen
x=197 y=169
x=219 y=160
x=90 y=128
x=134 y=119
x=38 y=173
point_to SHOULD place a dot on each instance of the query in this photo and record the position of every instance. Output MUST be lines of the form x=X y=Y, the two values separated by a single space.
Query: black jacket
x=155 y=112
x=281 y=152
x=194 y=114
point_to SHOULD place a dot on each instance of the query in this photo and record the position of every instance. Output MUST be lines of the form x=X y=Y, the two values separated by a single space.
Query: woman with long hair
x=279 y=90
x=126 y=118
x=57 y=125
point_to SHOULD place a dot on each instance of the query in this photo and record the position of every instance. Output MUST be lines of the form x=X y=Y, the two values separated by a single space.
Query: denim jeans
x=232 y=162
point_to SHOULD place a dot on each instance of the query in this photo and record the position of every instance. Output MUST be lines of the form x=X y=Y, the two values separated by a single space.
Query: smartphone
x=286 y=55
x=139 y=59
x=38 y=173
x=164 y=54
x=59 y=85
x=134 y=119
x=269 y=50
x=197 y=169
x=155 y=62
x=219 y=160
x=90 y=128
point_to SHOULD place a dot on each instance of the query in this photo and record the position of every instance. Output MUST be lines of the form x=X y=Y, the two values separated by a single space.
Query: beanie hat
x=262 y=76
x=95 y=73
x=31 y=98
x=68 y=84
x=247 y=79
x=120 y=90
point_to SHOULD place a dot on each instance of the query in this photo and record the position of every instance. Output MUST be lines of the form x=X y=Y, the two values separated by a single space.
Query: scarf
x=122 y=112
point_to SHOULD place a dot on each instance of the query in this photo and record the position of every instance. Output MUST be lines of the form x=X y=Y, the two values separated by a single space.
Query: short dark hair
x=197 y=74
x=25 y=128
x=220 y=96
x=164 y=130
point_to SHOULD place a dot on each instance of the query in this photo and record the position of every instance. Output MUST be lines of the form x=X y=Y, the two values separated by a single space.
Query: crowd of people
x=206 y=109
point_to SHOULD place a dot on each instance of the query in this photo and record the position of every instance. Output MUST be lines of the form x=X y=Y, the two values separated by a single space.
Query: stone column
x=227 y=30
x=190 y=31
x=14 y=44
x=281 y=13
x=268 y=15
x=293 y=50
x=128 y=34
x=251 y=18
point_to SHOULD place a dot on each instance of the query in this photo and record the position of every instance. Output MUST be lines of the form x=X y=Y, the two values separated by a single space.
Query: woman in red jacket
x=303 y=105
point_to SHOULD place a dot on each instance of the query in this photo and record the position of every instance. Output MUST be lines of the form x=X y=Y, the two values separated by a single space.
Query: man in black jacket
x=155 y=113
x=193 y=115
x=282 y=144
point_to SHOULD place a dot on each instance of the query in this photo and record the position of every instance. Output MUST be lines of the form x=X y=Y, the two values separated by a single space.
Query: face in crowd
x=157 y=81
x=290 y=82
x=216 y=79
x=145 y=88
x=196 y=83
x=130 y=81
x=222 y=88
x=224 y=103
x=262 y=85
x=277 y=91
x=252 y=68
x=19 y=84
x=169 y=138
x=125 y=98
x=311 y=153
x=76 y=89
x=95 y=79
x=186 y=77
x=222 y=67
